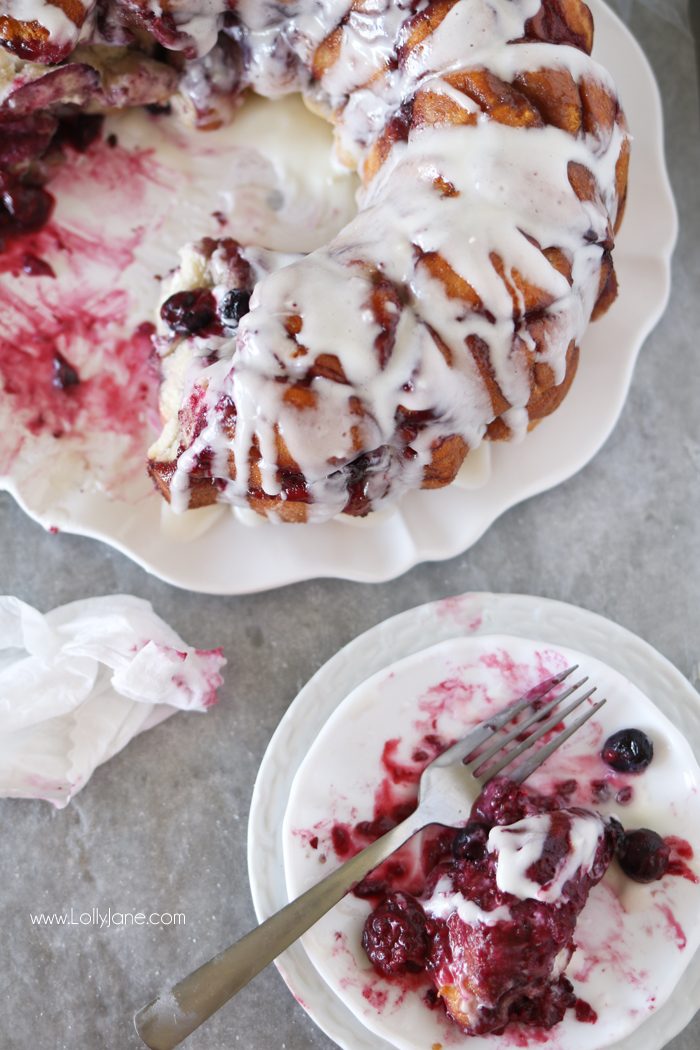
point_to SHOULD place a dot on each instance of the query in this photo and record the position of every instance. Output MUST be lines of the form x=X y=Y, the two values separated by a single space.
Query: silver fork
x=448 y=788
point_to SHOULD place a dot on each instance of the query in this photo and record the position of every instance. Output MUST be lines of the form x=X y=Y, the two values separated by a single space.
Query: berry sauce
x=585 y=1012
x=48 y=392
x=33 y=266
x=395 y=799
x=680 y=852
x=78 y=131
x=76 y=357
x=26 y=206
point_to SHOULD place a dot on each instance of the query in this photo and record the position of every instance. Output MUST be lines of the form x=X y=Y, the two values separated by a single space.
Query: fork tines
x=536 y=712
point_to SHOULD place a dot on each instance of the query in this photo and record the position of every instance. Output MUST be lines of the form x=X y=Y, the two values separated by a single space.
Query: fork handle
x=176 y=1013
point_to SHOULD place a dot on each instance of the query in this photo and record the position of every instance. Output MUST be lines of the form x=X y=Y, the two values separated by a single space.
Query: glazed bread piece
x=59 y=58
x=498 y=954
x=48 y=31
x=41 y=30
x=36 y=100
x=494 y=927
x=493 y=154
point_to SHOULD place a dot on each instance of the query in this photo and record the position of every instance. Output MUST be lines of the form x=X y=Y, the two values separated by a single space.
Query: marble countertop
x=163 y=825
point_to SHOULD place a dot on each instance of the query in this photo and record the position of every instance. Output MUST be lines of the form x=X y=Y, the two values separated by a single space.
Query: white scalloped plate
x=70 y=485
x=473 y=616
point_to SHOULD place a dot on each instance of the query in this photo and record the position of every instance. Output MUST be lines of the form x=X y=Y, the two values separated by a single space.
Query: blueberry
x=643 y=855
x=628 y=751
x=189 y=312
x=23 y=208
x=234 y=305
x=79 y=130
x=64 y=374
x=470 y=841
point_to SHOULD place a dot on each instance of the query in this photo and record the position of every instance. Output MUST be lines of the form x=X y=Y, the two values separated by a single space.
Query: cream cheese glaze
x=521 y=845
x=445 y=901
x=53 y=29
x=510 y=196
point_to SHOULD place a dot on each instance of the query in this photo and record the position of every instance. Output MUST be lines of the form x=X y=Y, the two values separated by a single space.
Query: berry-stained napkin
x=77 y=684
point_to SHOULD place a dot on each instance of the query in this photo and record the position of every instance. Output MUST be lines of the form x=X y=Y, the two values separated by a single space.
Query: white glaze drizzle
x=62 y=30
x=199 y=20
x=512 y=185
x=444 y=901
x=518 y=846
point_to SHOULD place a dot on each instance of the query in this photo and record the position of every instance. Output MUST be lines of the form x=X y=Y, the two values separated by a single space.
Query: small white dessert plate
x=637 y=962
x=116 y=229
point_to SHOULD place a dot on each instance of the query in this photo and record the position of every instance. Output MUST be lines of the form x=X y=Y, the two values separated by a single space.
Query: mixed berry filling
x=25 y=206
x=494 y=926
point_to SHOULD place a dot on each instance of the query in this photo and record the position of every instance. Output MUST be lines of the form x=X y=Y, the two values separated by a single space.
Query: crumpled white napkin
x=77 y=684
